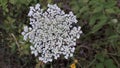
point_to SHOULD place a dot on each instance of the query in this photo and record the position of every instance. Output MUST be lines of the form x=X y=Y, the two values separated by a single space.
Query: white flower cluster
x=51 y=33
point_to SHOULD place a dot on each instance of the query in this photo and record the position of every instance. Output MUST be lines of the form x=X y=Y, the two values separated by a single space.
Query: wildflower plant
x=52 y=33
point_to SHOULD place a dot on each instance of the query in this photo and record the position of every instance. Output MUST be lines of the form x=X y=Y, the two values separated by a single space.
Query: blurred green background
x=98 y=47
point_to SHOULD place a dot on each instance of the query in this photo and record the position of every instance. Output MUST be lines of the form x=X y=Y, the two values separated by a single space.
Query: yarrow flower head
x=52 y=32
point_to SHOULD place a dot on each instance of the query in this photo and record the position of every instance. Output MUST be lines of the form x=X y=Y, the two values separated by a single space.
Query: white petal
x=50 y=60
x=25 y=37
x=23 y=33
x=26 y=28
x=32 y=48
x=55 y=57
x=81 y=32
x=35 y=53
x=40 y=58
x=79 y=28
x=37 y=6
x=30 y=13
x=45 y=61
x=74 y=39
x=74 y=43
x=66 y=57
x=71 y=55
x=78 y=36
x=73 y=49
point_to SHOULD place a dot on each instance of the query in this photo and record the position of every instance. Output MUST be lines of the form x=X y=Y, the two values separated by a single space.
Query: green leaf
x=85 y=1
x=13 y=47
x=10 y=19
x=92 y=20
x=49 y=1
x=110 y=4
x=99 y=65
x=75 y=8
x=3 y=2
x=12 y=1
x=99 y=25
x=109 y=63
x=110 y=10
x=25 y=2
x=100 y=57
x=83 y=9
x=25 y=49
x=98 y=9
x=114 y=36
x=37 y=65
x=118 y=28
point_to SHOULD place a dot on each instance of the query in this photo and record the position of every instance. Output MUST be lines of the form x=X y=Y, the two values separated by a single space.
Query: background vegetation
x=98 y=47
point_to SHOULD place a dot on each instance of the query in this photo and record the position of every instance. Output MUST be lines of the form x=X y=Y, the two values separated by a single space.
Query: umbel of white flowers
x=51 y=33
